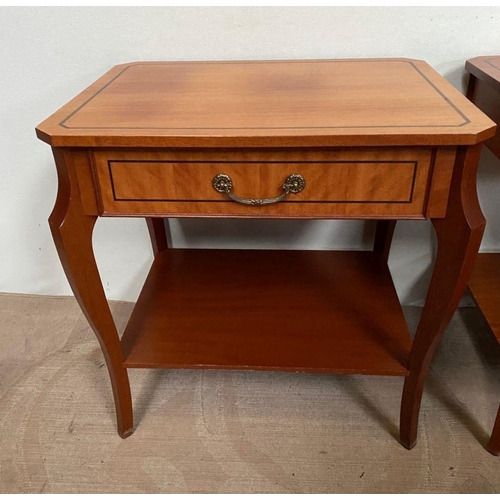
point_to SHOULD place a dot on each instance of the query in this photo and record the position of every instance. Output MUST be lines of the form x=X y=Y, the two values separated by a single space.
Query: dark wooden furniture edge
x=481 y=82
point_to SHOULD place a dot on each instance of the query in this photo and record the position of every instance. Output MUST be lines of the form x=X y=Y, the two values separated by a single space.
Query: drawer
x=335 y=183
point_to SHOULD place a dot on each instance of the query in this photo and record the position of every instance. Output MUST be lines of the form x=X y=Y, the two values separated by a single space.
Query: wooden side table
x=382 y=139
x=484 y=92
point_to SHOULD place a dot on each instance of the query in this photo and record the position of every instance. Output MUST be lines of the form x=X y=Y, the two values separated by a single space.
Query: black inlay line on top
x=166 y=200
x=90 y=99
x=466 y=120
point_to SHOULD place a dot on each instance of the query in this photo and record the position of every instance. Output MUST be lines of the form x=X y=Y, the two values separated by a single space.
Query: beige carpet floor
x=213 y=431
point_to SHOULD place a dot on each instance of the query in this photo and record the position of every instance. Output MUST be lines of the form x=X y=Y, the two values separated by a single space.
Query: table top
x=358 y=102
x=486 y=68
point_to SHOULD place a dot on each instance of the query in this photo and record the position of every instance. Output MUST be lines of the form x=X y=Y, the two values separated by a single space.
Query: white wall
x=47 y=55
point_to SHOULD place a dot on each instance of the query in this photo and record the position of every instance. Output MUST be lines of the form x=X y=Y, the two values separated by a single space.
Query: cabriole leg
x=72 y=232
x=459 y=235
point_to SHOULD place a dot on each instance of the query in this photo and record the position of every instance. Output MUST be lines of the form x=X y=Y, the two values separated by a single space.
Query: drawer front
x=338 y=183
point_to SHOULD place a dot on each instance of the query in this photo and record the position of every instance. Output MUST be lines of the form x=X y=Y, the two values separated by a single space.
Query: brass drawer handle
x=294 y=183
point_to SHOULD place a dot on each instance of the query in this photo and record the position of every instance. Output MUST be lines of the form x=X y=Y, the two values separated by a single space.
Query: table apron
x=340 y=183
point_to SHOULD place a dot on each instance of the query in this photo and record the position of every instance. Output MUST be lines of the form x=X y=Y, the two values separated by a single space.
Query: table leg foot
x=406 y=443
x=125 y=434
x=494 y=443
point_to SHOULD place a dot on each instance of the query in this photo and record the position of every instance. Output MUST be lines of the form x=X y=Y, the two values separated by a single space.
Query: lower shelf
x=304 y=311
x=485 y=288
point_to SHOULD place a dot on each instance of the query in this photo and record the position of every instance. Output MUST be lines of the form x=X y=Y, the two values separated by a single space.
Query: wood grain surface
x=340 y=183
x=308 y=311
x=268 y=103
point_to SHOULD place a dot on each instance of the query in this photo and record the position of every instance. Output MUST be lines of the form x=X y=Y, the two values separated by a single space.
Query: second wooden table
x=484 y=91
